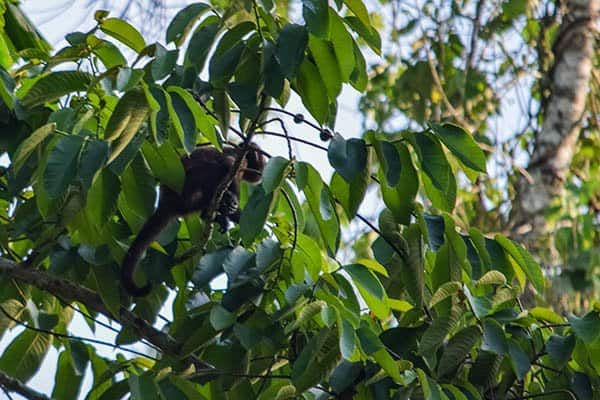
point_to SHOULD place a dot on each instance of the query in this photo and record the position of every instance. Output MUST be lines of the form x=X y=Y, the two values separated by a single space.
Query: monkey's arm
x=149 y=232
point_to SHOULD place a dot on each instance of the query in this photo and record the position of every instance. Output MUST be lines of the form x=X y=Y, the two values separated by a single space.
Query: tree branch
x=14 y=385
x=67 y=290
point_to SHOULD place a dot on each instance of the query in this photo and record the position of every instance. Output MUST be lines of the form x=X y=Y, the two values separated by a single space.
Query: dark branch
x=14 y=385
x=68 y=290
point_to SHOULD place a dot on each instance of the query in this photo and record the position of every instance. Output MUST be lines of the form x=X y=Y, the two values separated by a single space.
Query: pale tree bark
x=556 y=143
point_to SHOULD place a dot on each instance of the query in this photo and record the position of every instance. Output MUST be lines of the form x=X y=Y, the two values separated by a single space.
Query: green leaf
x=370 y=289
x=287 y=392
x=494 y=338
x=524 y=260
x=204 y=123
x=139 y=191
x=274 y=173
x=320 y=203
x=291 y=44
x=61 y=167
x=55 y=85
x=316 y=361
x=210 y=266
x=183 y=22
x=431 y=390
x=143 y=387
x=367 y=32
x=127 y=118
x=399 y=197
x=165 y=164
x=164 y=64
x=343 y=46
x=348 y=340
x=159 y=103
x=108 y=287
x=519 y=359
x=30 y=143
x=220 y=318
x=67 y=380
x=446 y=290
x=23 y=357
x=359 y=9
x=350 y=195
x=223 y=66
x=124 y=32
x=546 y=314
x=359 y=77
x=316 y=16
x=312 y=91
x=389 y=365
x=458 y=349
x=348 y=157
x=307 y=312
x=492 y=278
x=108 y=53
x=433 y=161
x=327 y=64
x=200 y=43
x=254 y=214
x=560 y=348
x=435 y=335
x=184 y=121
x=461 y=144
x=102 y=196
x=586 y=328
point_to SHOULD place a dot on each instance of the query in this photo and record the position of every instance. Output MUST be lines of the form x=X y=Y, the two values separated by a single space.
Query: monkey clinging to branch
x=205 y=168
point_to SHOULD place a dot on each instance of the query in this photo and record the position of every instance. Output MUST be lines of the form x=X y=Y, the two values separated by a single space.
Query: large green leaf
x=124 y=32
x=524 y=260
x=457 y=349
x=102 y=196
x=127 y=118
x=343 y=46
x=586 y=328
x=370 y=289
x=291 y=44
x=350 y=195
x=461 y=144
x=67 y=380
x=255 y=214
x=348 y=157
x=312 y=91
x=327 y=64
x=201 y=42
x=398 y=180
x=28 y=145
x=165 y=164
x=316 y=361
x=108 y=53
x=183 y=22
x=24 y=355
x=56 y=85
x=61 y=167
x=316 y=16
x=320 y=203
x=139 y=193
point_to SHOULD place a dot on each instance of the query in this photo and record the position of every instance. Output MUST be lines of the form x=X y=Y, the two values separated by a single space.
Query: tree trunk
x=556 y=143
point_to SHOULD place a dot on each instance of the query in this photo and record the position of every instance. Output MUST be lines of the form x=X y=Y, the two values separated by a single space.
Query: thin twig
x=73 y=337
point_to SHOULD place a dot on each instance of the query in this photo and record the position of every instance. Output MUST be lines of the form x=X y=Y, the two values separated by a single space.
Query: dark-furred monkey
x=205 y=168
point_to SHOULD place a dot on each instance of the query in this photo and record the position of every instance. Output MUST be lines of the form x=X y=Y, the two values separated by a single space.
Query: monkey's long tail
x=149 y=232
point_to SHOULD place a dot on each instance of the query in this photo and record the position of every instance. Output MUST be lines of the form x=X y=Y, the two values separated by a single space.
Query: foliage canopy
x=422 y=306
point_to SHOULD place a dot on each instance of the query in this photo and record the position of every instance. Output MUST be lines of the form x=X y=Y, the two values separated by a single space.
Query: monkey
x=205 y=168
